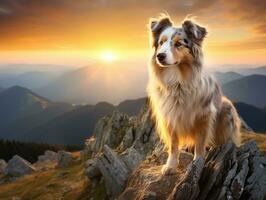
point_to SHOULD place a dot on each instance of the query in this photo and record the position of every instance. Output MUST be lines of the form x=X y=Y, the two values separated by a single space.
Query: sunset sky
x=76 y=31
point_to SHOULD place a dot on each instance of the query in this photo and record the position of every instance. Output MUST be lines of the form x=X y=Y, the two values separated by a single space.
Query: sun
x=109 y=56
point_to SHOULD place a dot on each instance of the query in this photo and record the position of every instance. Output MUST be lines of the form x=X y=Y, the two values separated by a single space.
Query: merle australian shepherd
x=187 y=104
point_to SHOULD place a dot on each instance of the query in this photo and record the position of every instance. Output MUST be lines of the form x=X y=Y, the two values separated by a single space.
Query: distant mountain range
x=18 y=102
x=110 y=82
x=93 y=84
x=227 y=76
x=104 y=82
x=250 y=71
x=17 y=69
x=249 y=89
x=31 y=76
x=69 y=128
x=26 y=116
x=254 y=117
x=131 y=107
x=33 y=79
x=21 y=109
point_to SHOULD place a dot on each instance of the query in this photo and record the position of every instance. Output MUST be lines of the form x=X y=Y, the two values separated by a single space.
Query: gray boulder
x=3 y=165
x=49 y=156
x=18 y=166
x=65 y=159
x=47 y=161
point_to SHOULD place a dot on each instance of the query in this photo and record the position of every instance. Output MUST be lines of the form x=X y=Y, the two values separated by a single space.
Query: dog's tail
x=228 y=125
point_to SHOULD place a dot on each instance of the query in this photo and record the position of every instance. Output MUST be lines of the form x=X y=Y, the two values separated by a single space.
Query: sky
x=77 y=31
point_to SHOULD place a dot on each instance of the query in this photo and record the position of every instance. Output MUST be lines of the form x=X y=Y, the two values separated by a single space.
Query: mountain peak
x=17 y=87
x=19 y=101
x=19 y=90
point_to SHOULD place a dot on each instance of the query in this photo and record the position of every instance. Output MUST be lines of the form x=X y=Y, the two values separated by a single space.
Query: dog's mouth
x=165 y=64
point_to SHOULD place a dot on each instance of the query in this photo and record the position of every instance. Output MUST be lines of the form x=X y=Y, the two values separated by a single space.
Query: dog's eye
x=178 y=44
x=161 y=42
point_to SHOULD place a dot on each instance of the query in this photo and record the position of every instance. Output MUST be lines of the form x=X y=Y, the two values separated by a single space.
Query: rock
x=138 y=140
x=65 y=159
x=128 y=139
x=91 y=169
x=216 y=162
x=114 y=171
x=110 y=130
x=150 y=196
x=227 y=173
x=131 y=165
x=255 y=184
x=147 y=179
x=89 y=146
x=17 y=167
x=49 y=156
x=238 y=182
x=3 y=165
x=47 y=161
x=188 y=188
x=132 y=158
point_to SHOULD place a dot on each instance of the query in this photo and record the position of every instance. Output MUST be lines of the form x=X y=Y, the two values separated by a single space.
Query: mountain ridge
x=249 y=89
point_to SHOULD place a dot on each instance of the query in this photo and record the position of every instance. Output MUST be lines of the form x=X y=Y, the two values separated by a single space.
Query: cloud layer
x=119 y=24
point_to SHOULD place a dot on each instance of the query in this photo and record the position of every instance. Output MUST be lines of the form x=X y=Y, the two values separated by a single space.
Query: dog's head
x=174 y=46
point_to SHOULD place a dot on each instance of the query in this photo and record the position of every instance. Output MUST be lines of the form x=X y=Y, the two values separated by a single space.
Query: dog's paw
x=168 y=170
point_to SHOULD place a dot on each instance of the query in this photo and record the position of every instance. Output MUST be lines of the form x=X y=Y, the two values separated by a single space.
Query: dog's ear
x=157 y=27
x=194 y=32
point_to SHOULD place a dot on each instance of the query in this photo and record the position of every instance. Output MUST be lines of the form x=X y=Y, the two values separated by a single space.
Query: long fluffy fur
x=194 y=111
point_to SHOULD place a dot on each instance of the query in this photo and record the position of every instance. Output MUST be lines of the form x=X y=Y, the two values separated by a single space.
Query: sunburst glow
x=109 y=56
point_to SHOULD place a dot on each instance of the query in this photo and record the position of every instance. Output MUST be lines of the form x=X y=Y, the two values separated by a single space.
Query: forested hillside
x=28 y=151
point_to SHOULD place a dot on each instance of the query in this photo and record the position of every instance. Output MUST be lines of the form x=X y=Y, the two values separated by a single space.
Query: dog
x=187 y=103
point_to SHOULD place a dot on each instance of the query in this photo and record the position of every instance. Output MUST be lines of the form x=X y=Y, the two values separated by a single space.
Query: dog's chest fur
x=177 y=107
x=181 y=105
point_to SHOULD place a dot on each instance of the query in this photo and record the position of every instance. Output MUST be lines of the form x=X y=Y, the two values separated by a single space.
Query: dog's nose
x=161 y=56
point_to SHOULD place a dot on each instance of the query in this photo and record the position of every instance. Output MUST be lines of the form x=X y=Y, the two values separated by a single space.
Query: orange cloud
x=118 y=24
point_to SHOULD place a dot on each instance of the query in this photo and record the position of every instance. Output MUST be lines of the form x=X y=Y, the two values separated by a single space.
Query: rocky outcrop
x=131 y=167
x=3 y=165
x=114 y=170
x=188 y=187
x=88 y=148
x=17 y=167
x=65 y=159
x=110 y=130
x=228 y=173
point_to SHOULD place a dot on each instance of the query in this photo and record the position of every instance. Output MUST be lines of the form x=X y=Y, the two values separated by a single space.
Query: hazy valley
x=53 y=114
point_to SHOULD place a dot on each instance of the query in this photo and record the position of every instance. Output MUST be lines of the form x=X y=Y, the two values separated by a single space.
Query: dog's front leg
x=200 y=147
x=201 y=138
x=203 y=131
x=173 y=156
